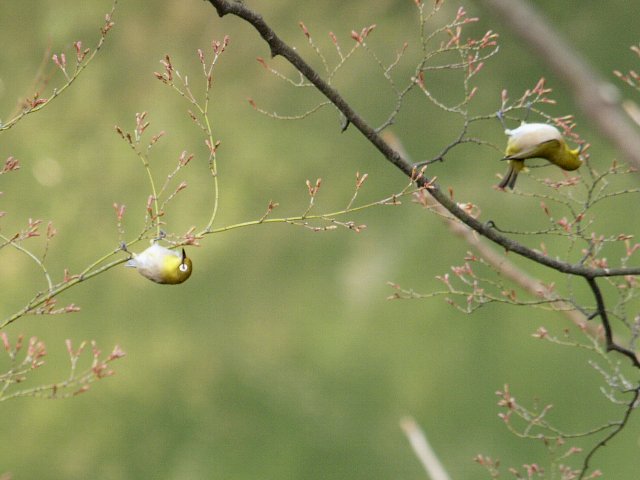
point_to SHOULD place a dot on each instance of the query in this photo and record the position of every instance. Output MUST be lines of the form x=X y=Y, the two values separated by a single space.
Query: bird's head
x=176 y=268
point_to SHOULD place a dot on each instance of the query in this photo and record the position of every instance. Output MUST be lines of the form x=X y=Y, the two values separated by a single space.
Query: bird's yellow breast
x=162 y=265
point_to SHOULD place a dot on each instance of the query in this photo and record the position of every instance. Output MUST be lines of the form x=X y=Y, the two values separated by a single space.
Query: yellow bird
x=161 y=265
x=537 y=140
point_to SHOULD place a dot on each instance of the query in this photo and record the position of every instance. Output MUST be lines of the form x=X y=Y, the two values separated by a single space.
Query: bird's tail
x=509 y=180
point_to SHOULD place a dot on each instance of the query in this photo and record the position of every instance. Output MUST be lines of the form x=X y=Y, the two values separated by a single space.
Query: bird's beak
x=184 y=255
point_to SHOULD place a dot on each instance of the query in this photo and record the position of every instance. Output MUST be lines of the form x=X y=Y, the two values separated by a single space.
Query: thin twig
x=630 y=407
x=606 y=324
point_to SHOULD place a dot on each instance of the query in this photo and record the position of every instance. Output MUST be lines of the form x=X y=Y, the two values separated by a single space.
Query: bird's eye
x=183 y=267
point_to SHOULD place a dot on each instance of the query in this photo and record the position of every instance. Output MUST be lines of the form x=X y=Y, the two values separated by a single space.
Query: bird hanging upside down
x=161 y=265
x=537 y=140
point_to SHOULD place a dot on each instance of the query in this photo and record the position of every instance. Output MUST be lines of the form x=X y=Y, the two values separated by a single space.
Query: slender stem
x=89 y=272
x=305 y=217
x=40 y=299
x=155 y=218
x=30 y=254
x=80 y=67
x=631 y=406
x=213 y=167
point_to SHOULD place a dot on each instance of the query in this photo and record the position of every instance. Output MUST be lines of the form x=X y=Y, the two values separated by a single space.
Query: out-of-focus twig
x=423 y=450
x=598 y=99
x=632 y=110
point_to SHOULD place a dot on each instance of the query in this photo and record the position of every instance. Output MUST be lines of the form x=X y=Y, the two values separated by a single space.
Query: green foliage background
x=280 y=358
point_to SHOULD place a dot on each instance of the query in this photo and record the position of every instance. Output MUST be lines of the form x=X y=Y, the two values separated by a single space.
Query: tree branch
x=280 y=48
x=601 y=311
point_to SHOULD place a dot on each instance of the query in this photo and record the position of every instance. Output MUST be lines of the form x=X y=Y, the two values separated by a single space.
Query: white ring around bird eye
x=183 y=267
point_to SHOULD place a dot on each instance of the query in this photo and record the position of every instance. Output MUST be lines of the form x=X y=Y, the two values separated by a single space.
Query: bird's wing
x=534 y=151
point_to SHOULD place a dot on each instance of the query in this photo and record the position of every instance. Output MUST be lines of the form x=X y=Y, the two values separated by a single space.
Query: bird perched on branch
x=161 y=265
x=537 y=140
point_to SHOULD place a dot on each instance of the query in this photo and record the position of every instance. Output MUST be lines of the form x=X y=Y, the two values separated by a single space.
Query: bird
x=537 y=140
x=162 y=265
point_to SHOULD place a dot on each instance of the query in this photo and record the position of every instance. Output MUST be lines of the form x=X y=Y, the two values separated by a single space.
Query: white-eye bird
x=161 y=265
x=537 y=140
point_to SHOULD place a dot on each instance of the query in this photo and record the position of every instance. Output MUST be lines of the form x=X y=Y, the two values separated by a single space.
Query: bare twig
x=630 y=408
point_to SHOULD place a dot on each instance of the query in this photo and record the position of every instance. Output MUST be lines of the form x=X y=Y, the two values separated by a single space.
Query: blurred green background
x=281 y=357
